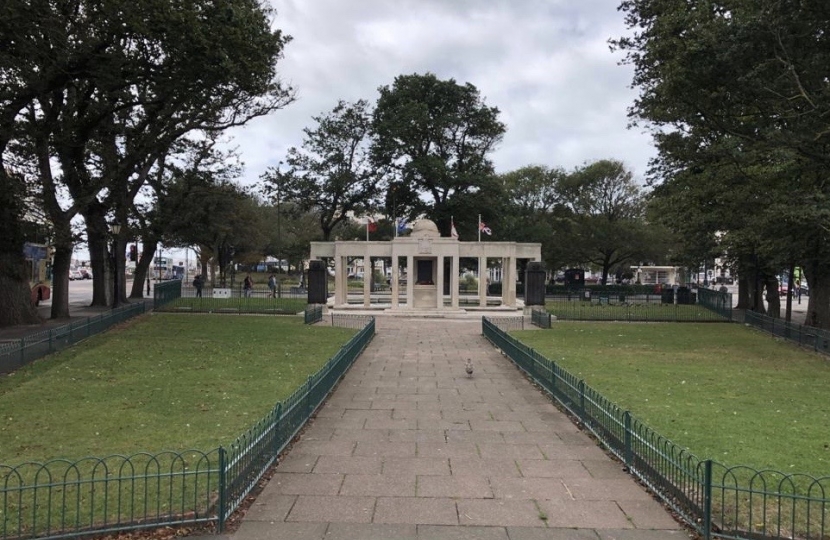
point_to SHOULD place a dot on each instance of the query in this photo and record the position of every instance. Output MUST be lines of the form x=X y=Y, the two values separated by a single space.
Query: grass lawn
x=724 y=391
x=159 y=382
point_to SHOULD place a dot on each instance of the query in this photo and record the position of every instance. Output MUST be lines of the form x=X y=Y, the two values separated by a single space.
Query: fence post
x=707 y=499
x=308 y=397
x=627 y=424
x=277 y=430
x=51 y=340
x=552 y=377
x=223 y=488
x=581 y=387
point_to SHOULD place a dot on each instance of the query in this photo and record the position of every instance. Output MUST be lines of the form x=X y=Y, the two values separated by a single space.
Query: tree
x=139 y=76
x=534 y=209
x=203 y=207
x=606 y=226
x=750 y=74
x=330 y=174
x=435 y=135
x=15 y=294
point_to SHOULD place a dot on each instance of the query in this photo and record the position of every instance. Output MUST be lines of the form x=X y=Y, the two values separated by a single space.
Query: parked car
x=75 y=274
x=86 y=273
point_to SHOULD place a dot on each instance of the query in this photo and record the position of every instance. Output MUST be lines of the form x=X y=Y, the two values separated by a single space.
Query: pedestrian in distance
x=272 y=285
x=197 y=284
x=248 y=286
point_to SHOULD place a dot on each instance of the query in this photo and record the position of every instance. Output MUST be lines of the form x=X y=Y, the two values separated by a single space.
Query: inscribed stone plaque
x=424 y=245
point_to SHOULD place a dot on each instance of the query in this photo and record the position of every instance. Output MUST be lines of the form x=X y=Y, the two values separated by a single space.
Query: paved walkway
x=409 y=447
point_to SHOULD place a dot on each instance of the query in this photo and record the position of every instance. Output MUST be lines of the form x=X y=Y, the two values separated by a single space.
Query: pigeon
x=469 y=368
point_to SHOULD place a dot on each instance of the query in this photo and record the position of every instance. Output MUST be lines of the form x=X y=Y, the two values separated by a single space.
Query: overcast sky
x=545 y=64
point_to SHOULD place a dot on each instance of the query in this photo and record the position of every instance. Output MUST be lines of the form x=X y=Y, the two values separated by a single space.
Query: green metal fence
x=16 y=354
x=165 y=292
x=103 y=495
x=605 y=309
x=540 y=318
x=250 y=456
x=716 y=500
x=806 y=336
x=715 y=301
x=313 y=313
x=177 y=298
x=241 y=305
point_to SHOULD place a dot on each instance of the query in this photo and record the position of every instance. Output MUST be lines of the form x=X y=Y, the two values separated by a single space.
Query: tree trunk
x=743 y=293
x=15 y=293
x=773 y=300
x=60 y=281
x=97 y=233
x=142 y=267
x=818 y=308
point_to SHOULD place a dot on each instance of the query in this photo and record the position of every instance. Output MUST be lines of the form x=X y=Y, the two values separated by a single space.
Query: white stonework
x=430 y=260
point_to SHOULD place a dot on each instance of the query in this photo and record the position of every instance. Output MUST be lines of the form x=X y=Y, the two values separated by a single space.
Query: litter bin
x=586 y=295
x=684 y=295
x=667 y=296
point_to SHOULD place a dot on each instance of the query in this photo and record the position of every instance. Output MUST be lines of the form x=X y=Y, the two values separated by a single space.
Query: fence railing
x=806 y=336
x=165 y=292
x=633 y=312
x=541 y=318
x=716 y=301
x=313 y=313
x=506 y=324
x=716 y=500
x=263 y=305
x=16 y=354
x=250 y=456
x=345 y=320
x=105 y=495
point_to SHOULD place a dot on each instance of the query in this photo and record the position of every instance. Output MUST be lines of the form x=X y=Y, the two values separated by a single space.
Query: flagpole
x=367 y=230
x=479 y=227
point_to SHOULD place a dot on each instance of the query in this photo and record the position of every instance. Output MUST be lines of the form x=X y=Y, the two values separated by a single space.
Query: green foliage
x=331 y=174
x=436 y=135
x=131 y=79
x=737 y=93
x=724 y=391
x=604 y=225
x=161 y=382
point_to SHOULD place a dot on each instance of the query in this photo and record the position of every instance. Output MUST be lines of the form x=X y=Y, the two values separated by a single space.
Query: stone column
x=395 y=284
x=482 y=282
x=367 y=280
x=339 y=278
x=410 y=281
x=509 y=282
x=439 y=281
x=454 y=279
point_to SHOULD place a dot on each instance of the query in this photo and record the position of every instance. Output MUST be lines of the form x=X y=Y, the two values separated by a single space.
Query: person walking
x=197 y=283
x=272 y=285
x=248 y=286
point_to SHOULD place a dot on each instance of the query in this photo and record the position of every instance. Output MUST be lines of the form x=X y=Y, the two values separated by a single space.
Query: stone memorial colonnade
x=431 y=262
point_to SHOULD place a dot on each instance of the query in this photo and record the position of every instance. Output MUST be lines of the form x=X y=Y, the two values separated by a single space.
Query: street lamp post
x=116 y=228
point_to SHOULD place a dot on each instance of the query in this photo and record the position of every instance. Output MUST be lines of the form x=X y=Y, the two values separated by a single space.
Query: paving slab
x=409 y=447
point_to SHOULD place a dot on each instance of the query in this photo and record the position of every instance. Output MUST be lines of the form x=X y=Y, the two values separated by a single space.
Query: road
x=80 y=295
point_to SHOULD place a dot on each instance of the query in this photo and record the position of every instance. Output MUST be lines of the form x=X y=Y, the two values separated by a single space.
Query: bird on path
x=469 y=368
